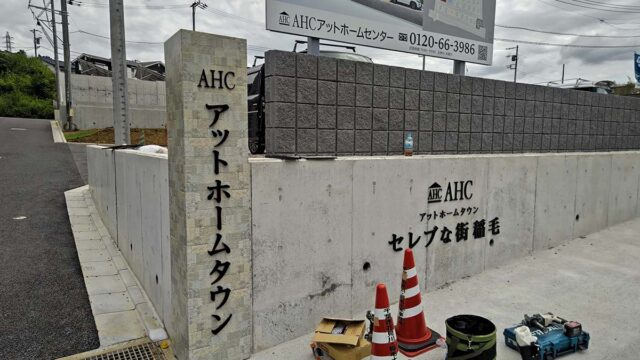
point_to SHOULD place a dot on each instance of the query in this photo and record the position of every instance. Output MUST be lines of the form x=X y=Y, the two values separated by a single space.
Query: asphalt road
x=44 y=307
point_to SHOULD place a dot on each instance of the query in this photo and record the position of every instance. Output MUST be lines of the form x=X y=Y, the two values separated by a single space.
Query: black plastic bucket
x=470 y=337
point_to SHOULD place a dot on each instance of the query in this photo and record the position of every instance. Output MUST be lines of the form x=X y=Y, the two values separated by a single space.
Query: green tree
x=27 y=86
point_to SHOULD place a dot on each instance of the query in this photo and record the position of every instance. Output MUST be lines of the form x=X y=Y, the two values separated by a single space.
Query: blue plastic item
x=551 y=344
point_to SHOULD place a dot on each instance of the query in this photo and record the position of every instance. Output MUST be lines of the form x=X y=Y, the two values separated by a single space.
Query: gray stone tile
x=396 y=142
x=439 y=101
x=396 y=98
x=466 y=85
x=363 y=118
x=487 y=123
x=426 y=80
x=477 y=104
x=280 y=89
x=475 y=142
x=396 y=78
x=327 y=92
x=412 y=99
x=412 y=79
x=346 y=71
x=381 y=76
x=379 y=142
x=363 y=141
x=499 y=91
x=487 y=141
x=280 y=115
x=465 y=104
x=346 y=117
x=380 y=119
x=498 y=106
x=327 y=141
x=364 y=73
x=498 y=124
x=440 y=83
x=346 y=94
x=453 y=120
x=476 y=123
x=307 y=66
x=489 y=88
x=364 y=95
x=326 y=117
x=306 y=141
x=426 y=121
x=425 y=142
x=451 y=141
x=439 y=140
x=280 y=63
x=327 y=68
x=463 y=142
x=453 y=103
x=411 y=120
x=439 y=121
x=510 y=90
x=453 y=84
x=426 y=100
x=478 y=87
x=380 y=97
x=396 y=119
x=465 y=123
x=307 y=91
x=346 y=142
x=497 y=142
x=307 y=116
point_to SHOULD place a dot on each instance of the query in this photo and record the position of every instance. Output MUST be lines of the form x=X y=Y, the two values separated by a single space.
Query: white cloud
x=145 y=22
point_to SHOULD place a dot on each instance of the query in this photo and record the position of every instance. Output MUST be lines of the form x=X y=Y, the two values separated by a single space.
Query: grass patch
x=77 y=135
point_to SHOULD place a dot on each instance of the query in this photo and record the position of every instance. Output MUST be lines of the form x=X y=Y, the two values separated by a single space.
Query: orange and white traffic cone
x=383 y=337
x=414 y=337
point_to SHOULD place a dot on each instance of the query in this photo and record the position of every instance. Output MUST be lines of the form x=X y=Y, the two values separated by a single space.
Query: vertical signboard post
x=209 y=196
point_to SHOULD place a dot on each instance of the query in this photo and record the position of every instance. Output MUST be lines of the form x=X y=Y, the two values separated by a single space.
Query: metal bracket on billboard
x=313 y=46
x=459 y=67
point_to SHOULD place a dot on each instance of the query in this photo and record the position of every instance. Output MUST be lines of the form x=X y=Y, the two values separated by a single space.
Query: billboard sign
x=450 y=29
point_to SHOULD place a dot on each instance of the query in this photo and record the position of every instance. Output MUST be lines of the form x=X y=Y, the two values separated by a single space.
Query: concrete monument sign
x=209 y=196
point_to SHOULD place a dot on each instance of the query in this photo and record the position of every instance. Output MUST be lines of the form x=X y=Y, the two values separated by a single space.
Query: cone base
x=416 y=348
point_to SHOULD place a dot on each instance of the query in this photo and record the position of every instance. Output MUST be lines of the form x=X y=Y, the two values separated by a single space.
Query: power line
x=108 y=38
x=627 y=11
x=540 y=43
x=566 y=34
x=599 y=4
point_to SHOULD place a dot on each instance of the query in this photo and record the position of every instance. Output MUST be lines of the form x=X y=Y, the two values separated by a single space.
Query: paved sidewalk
x=594 y=280
x=121 y=309
x=44 y=308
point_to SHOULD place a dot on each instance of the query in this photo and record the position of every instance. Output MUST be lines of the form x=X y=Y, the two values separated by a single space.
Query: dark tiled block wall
x=323 y=106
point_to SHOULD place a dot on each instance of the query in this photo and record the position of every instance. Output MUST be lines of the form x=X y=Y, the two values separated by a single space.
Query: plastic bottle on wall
x=408 y=144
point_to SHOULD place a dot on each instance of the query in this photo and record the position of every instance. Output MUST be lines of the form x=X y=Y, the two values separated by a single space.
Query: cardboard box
x=342 y=339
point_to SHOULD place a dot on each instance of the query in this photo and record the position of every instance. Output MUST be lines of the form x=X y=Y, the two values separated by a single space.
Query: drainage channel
x=133 y=350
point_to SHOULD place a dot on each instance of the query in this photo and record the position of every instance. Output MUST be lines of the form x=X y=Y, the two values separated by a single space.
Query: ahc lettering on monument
x=209 y=196
x=438 y=210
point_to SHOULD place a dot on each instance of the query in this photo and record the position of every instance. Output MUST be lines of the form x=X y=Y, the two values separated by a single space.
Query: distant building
x=87 y=64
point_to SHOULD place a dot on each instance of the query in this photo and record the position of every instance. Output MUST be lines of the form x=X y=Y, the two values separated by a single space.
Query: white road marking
x=18 y=129
x=19 y=218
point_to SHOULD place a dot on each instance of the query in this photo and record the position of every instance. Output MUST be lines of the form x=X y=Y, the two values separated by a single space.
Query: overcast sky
x=156 y=20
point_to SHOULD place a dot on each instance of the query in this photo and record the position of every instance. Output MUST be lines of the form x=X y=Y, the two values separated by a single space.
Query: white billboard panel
x=451 y=29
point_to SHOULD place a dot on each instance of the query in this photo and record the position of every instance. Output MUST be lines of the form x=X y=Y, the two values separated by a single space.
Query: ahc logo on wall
x=455 y=191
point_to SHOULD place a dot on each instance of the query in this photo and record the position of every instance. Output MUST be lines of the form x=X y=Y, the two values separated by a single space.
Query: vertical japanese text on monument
x=217 y=192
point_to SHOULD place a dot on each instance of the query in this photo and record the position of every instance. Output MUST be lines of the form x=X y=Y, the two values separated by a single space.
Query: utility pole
x=424 y=61
x=8 y=42
x=36 y=41
x=55 y=52
x=196 y=4
x=67 y=66
x=514 y=58
x=119 y=73
x=562 y=74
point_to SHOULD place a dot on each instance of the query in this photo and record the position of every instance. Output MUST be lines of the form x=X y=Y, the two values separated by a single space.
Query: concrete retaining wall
x=131 y=191
x=322 y=229
x=93 y=102
x=323 y=106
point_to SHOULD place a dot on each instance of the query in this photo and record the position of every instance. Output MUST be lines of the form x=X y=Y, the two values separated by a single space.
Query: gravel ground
x=44 y=307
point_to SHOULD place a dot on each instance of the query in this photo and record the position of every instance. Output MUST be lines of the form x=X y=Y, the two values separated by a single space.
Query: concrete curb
x=121 y=309
x=56 y=131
